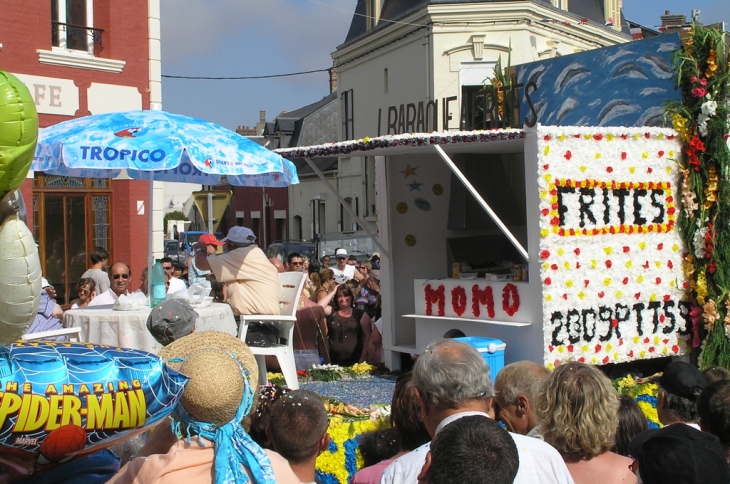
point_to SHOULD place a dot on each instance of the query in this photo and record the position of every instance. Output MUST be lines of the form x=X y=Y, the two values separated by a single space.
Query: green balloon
x=18 y=132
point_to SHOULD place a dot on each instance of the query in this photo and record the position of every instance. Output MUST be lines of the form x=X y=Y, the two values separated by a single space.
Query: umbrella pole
x=150 y=239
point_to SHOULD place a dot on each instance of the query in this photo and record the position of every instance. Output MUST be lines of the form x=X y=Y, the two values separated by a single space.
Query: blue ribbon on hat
x=233 y=447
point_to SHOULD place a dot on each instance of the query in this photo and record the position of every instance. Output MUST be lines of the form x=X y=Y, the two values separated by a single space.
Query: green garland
x=701 y=119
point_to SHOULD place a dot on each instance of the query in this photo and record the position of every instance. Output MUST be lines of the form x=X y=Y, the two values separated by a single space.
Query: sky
x=244 y=38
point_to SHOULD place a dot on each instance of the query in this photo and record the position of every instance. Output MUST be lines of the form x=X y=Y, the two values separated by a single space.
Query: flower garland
x=702 y=120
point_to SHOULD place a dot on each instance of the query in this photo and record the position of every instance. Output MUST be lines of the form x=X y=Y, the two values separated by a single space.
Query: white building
x=409 y=66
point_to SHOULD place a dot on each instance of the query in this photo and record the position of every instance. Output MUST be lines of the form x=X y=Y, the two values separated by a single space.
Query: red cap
x=209 y=239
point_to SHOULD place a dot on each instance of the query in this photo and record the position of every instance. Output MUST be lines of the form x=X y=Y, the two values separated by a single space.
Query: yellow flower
x=680 y=126
x=341 y=432
x=701 y=288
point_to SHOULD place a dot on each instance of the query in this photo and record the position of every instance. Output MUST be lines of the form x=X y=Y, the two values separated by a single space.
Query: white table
x=105 y=326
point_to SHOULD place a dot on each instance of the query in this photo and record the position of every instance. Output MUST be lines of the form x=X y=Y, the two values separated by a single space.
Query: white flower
x=708 y=108
x=702 y=127
x=699 y=242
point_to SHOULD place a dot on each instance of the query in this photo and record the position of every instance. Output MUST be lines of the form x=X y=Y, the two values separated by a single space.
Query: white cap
x=341 y=253
x=240 y=235
x=44 y=282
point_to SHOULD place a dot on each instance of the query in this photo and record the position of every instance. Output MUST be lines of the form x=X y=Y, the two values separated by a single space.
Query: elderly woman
x=348 y=330
x=578 y=408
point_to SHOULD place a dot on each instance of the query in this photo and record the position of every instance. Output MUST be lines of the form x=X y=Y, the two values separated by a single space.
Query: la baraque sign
x=480 y=109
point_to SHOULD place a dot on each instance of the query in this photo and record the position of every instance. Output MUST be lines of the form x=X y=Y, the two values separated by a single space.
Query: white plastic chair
x=74 y=334
x=290 y=287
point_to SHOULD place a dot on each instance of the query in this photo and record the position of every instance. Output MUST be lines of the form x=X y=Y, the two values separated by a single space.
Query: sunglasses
x=297 y=263
x=167 y=268
x=117 y=276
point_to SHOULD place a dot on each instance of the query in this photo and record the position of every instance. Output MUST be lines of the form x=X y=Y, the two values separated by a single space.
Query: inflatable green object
x=18 y=132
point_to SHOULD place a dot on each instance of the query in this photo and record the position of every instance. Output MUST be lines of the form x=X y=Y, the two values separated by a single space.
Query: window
x=348 y=119
x=72 y=23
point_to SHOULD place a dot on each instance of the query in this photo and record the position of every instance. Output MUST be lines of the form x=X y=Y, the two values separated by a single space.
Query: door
x=65 y=244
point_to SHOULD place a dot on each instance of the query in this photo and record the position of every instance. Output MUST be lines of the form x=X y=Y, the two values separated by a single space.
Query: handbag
x=262 y=334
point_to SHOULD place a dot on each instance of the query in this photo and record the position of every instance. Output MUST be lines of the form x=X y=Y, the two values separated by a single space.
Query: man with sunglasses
x=119 y=275
x=175 y=283
x=295 y=262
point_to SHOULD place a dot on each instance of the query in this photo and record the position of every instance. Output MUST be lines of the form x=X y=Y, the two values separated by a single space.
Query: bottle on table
x=158 y=290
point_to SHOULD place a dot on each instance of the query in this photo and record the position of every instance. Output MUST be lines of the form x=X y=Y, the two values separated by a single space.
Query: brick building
x=82 y=57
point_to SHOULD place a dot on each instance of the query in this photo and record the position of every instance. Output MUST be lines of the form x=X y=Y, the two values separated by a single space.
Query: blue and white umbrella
x=161 y=146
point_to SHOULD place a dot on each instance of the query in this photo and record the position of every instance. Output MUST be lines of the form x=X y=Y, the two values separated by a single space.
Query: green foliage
x=702 y=120
x=174 y=215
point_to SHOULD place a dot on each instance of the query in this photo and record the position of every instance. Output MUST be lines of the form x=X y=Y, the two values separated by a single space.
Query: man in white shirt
x=119 y=275
x=342 y=270
x=452 y=381
x=175 y=283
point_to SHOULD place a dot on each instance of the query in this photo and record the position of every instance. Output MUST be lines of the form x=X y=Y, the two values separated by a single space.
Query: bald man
x=277 y=263
x=119 y=275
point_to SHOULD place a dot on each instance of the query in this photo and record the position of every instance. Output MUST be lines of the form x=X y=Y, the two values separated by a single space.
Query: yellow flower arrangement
x=362 y=368
x=342 y=459
x=644 y=393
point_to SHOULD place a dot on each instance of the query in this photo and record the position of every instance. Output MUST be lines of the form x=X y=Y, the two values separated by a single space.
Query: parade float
x=574 y=235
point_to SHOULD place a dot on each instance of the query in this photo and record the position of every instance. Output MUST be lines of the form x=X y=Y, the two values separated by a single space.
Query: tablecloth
x=128 y=329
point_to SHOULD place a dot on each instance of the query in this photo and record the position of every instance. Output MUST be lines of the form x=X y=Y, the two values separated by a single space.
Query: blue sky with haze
x=219 y=38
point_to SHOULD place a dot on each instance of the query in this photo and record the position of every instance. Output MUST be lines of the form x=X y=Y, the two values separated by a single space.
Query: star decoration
x=415 y=186
x=409 y=171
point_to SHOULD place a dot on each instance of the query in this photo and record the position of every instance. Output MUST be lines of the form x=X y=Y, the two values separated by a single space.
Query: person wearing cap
x=343 y=271
x=195 y=274
x=171 y=320
x=252 y=283
x=679 y=387
x=206 y=441
x=375 y=260
x=678 y=454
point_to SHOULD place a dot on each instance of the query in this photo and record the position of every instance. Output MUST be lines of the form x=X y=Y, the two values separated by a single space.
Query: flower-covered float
x=342 y=458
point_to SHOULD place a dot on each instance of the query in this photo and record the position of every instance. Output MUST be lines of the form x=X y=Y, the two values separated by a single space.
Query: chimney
x=333 y=79
x=669 y=20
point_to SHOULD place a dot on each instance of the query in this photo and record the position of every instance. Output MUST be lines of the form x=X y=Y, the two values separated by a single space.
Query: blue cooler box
x=492 y=351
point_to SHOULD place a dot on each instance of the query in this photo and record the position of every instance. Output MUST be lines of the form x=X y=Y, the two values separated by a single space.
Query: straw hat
x=216 y=385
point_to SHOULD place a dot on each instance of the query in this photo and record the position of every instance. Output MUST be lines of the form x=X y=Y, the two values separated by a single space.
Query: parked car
x=282 y=248
x=172 y=250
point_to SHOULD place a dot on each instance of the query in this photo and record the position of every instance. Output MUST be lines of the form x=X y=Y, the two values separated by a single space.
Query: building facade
x=417 y=66
x=82 y=57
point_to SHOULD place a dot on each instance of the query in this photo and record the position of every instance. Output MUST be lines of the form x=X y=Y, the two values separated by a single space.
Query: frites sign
x=610 y=255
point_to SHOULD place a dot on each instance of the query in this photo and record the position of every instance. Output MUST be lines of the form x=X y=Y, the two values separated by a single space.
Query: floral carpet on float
x=644 y=392
x=358 y=402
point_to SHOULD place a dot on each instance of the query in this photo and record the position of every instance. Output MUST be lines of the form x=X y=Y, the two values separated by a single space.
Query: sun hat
x=682 y=379
x=375 y=274
x=240 y=235
x=341 y=253
x=171 y=320
x=220 y=393
x=679 y=453
x=210 y=239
